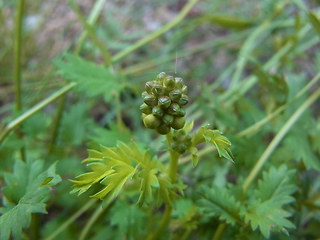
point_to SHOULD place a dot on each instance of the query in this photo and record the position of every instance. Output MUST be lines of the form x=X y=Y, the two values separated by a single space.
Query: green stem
x=97 y=213
x=263 y=121
x=173 y=170
x=56 y=124
x=103 y=50
x=157 y=33
x=217 y=235
x=240 y=89
x=118 y=112
x=17 y=55
x=16 y=122
x=93 y=16
x=163 y=223
x=71 y=219
x=17 y=64
x=174 y=158
x=275 y=142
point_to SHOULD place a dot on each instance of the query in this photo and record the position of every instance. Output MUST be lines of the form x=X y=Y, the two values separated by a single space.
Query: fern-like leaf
x=219 y=202
x=274 y=191
x=26 y=192
x=92 y=79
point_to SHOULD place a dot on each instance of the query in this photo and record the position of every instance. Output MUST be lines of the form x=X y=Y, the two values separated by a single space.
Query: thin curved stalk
x=95 y=40
x=93 y=16
x=275 y=142
x=16 y=122
x=71 y=219
x=17 y=65
x=263 y=121
x=157 y=33
x=97 y=213
x=17 y=55
x=218 y=233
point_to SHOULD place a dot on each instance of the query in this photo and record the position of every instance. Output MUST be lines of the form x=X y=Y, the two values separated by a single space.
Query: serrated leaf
x=92 y=79
x=219 y=202
x=113 y=167
x=274 y=191
x=24 y=194
x=215 y=138
x=268 y=216
x=276 y=186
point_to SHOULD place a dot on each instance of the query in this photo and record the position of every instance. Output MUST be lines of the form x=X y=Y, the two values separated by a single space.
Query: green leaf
x=219 y=202
x=26 y=192
x=268 y=217
x=92 y=79
x=215 y=138
x=113 y=167
x=314 y=21
x=228 y=22
x=274 y=191
x=129 y=219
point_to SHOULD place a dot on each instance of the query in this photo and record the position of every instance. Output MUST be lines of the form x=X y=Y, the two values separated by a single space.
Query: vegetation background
x=71 y=76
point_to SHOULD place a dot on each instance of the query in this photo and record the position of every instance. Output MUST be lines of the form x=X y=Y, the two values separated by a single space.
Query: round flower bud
x=174 y=109
x=183 y=100
x=150 y=100
x=158 y=89
x=178 y=123
x=161 y=76
x=181 y=113
x=167 y=119
x=169 y=82
x=164 y=102
x=175 y=95
x=151 y=121
x=163 y=129
x=181 y=148
x=157 y=111
x=145 y=108
x=148 y=86
x=179 y=82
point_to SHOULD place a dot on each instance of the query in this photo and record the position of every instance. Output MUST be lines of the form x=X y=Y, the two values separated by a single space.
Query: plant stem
x=17 y=55
x=260 y=123
x=103 y=50
x=56 y=124
x=17 y=64
x=16 y=122
x=97 y=213
x=71 y=219
x=93 y=16
x=275 y=142
x=157 y=33
x=217 y=235
x=174 y=158
x=173 y=169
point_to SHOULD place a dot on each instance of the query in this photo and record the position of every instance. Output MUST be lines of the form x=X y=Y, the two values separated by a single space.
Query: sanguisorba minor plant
x=127 y=171
x=148 y=181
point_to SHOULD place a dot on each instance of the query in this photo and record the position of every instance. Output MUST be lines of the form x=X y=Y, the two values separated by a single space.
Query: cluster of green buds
x=181 y=141
x=164 y=99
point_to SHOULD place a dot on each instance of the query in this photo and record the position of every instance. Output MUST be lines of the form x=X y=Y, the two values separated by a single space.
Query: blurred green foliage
x=252 y=71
